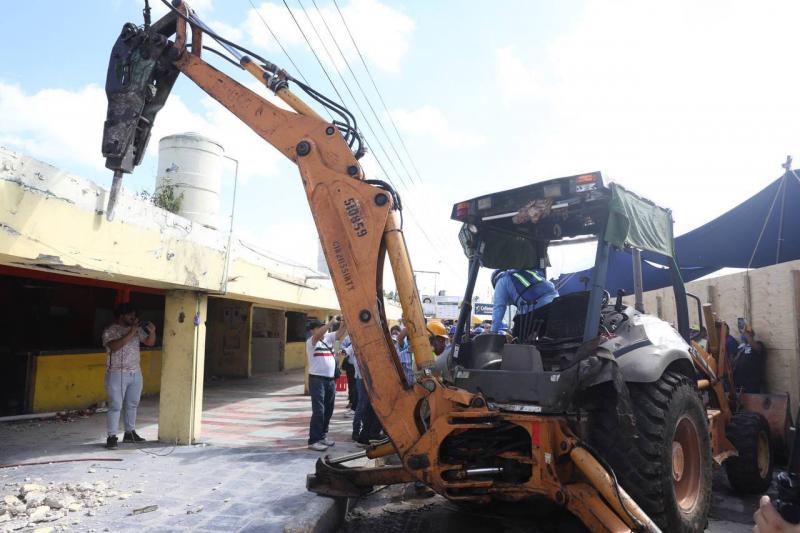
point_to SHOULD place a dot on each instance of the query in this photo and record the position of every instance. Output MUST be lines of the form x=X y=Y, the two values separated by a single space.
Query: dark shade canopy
x=761 y=231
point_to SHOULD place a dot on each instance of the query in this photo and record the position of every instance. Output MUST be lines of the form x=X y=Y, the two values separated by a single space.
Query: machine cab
x=562 y=346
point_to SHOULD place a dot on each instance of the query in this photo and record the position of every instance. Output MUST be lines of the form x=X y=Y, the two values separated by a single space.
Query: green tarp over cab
x=638 y=223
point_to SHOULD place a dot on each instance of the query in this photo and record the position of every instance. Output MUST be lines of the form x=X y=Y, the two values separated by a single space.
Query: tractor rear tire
x=666 y=467
x=751 y=471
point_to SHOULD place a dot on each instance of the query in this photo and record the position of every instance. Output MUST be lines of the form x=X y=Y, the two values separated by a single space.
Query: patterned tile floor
x=247 y=474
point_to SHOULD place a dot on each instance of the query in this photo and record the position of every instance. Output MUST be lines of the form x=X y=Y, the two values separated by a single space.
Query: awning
x=761 y=231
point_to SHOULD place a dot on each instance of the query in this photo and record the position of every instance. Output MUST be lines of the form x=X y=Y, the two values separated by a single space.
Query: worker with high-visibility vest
x=527 y=290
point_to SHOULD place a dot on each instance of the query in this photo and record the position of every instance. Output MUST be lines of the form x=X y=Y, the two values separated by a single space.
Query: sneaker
x=327 y=442
x=132 y=436
x=111 y=442
x=318 y=446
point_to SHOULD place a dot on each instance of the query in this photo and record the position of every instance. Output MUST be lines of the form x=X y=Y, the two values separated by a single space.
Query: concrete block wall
x=774 y=313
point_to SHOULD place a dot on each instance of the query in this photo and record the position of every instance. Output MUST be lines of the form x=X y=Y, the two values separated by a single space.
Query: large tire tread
x=642 y=465
x=743 y=473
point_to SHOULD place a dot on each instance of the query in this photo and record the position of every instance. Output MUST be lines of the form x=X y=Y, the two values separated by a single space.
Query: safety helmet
x=436 y=328
x=496 y=275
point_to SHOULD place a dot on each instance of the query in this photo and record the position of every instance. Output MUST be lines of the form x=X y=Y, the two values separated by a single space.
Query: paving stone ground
x=248 y=473
x=400 y=508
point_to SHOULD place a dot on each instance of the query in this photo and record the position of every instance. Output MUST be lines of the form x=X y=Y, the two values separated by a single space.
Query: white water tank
x=192 y=165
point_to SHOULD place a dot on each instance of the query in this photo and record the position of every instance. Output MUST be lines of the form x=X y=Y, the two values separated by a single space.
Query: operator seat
x=484 y=352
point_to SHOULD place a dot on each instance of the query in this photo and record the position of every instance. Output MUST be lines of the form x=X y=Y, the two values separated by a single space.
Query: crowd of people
x=330 y=352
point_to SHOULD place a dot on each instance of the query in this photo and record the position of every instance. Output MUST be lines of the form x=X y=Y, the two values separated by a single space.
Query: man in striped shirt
x=321 y=381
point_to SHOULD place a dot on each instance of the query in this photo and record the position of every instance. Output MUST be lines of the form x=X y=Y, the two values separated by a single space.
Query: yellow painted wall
x=294 y=356
x=76 y=381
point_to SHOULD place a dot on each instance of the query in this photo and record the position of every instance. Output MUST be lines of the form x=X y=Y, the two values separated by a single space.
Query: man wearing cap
x=321 y=381
x=527 y=290
x=123 y=374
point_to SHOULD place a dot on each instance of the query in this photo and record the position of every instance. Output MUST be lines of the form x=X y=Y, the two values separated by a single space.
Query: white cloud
x=516 y=79
x=66 y=127
x=692 y=104
x=54 y=123
x=431 y=122
x=381 y=32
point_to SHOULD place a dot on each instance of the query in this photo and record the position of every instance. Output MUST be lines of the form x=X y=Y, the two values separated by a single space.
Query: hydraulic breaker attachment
x=138 y=82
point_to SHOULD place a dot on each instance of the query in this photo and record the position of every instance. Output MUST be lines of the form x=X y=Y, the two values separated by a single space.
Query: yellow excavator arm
x=359 y=225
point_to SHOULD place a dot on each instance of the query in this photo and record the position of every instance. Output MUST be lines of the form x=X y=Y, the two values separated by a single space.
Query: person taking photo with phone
x=124 y=374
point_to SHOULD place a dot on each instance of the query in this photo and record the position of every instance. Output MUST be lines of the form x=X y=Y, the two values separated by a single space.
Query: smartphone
x=740 y=323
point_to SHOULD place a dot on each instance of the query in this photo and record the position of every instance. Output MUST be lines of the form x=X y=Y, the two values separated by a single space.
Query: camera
x=788 y=502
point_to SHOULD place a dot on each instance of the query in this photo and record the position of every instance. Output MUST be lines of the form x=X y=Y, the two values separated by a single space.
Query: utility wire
x=380 y=97
x=366 y=98
x=274 y=36
x=297 y=23
x=363 y=93
x=330 y=80
x=436 y=248
x=352 y=96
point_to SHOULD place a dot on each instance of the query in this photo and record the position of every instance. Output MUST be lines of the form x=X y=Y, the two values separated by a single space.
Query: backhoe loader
x=597 y=410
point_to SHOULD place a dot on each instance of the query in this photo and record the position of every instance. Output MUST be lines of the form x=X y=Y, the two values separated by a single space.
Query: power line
x=434 y=246
x=366 y=98
x=279 y=42
x=363 y=93
x=380 y=97
x=352 y=96
x=330 y=80
x=297 y=23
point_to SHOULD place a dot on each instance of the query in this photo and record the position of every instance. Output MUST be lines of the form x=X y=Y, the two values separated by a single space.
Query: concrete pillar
x=181 y=403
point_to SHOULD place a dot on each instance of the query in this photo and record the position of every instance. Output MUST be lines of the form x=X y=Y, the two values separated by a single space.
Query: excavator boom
x=359 y=225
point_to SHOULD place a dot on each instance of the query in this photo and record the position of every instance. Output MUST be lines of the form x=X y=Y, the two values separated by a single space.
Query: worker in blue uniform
x=528 y=290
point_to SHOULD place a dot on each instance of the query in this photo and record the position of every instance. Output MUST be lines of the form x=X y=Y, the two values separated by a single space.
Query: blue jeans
x=124 y=391
x=365 y=423
x=323 y=394
x=361 y=394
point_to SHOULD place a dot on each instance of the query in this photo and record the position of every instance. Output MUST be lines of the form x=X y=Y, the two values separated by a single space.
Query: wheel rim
x=686 y=464
x=763 y=455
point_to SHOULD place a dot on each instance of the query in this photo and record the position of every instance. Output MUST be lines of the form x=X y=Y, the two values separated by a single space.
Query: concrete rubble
x=33 y=505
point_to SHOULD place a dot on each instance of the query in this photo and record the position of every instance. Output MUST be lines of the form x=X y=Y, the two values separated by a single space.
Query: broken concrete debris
x=26 y=505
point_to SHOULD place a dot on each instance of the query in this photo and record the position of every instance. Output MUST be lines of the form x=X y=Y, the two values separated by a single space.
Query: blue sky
x=691 y=104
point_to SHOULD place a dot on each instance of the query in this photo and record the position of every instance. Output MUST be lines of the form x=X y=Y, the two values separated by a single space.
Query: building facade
x=221 y=306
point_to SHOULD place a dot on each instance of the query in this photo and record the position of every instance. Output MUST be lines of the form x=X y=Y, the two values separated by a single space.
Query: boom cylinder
x=618 y=499
x=413 y=317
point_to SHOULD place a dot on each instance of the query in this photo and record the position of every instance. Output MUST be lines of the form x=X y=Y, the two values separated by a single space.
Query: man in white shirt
x=321 y=382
